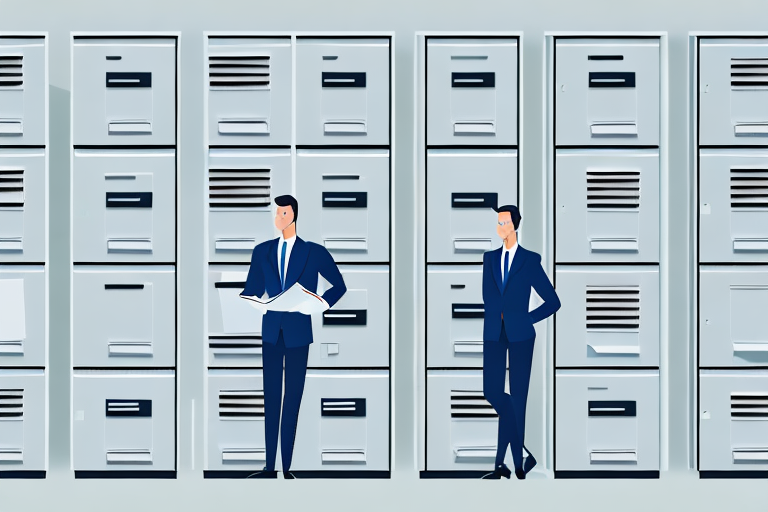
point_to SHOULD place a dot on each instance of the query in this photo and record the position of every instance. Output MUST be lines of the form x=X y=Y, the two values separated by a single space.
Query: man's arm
x=254 y=283
x=544 y=288
x=328 y=269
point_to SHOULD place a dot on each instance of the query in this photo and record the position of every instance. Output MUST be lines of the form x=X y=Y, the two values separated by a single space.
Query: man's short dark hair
x=289 y=200
x=513 y=211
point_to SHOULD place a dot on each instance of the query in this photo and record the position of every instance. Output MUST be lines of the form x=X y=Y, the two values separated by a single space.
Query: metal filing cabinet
x=124 y=91
x=23 y=95
x=607 y=420
x=343 y=422
x=342 y=91
x=472 y=91
x=23 y=414
x=23 y=317
x=607 y=91
x=249 y=90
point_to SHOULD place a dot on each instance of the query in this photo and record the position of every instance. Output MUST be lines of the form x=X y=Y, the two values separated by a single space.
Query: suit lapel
x=517 y=264
x=497 y=269
x=273 y=257
x=298 y=261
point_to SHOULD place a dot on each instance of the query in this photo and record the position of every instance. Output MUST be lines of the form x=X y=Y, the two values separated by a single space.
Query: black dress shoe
x=520 y=474
x=263 y=474
x=499 y=471
x=529 y=463
x=288 y=475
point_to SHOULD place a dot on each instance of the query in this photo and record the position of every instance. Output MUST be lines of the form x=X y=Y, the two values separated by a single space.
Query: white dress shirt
x=512 y=250
x=288 y=249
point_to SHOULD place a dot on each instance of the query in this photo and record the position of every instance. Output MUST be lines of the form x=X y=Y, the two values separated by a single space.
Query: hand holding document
x=294 y=299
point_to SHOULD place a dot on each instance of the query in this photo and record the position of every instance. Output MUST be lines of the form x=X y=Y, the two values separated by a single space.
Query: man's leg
x=494 y=374
x=520 y=360
x=295 y=374
x=272 y=360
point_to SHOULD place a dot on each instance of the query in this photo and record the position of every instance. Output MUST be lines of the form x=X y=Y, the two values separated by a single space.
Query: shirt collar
x=512 y=249
x=289 y=240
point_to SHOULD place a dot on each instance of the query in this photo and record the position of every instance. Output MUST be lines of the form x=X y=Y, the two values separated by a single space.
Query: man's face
x=283 y=217
x=505 y=226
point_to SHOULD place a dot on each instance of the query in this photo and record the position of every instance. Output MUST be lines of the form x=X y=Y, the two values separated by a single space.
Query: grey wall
x=678 y=489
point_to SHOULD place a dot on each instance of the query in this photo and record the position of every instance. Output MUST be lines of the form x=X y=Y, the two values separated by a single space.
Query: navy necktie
x=506 y=266
x=282 y=265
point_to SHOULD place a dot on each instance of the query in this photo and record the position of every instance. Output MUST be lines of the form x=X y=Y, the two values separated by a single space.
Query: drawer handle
x=750 y=347
x=345 y=199
x=480 y=200
x=474 y=453
x=467 y=128
x=343 y=457
x=128 y=127
x=615 y=350
x=614 y=245
x=235 y=345
x=11 y=455
x=229 y=284
x=613 y=456
x=244 y=127
x=123 y=286
x=129 y=245
x=12 y=348
x=235 y=244
x=750 y=244
x=750 y=129
x=11 y=127
x=350 y=80
x=482 y=80
x=129 y=457
x=130 y=348
x=142 y=80
x=467 y=347
x=471 y=244
x=346 y=244
x=602 y=79
x=345 y=317
x=351 y=128
x=11 y=244
x=750 y=455
x=129 y=200
x=467 y=311
x=612 y=408
x=613 y=129
x=243 y=455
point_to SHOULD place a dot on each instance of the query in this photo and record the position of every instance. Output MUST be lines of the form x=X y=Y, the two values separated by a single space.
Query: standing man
x=276 y=265
x=509 y=273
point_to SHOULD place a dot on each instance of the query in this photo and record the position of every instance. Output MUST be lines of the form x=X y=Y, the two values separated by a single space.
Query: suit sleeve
x=254 y=283
x=546 y=291
x=328 y=269
x=487 y=276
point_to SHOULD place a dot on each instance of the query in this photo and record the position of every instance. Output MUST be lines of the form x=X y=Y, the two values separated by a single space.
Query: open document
x=294 y=299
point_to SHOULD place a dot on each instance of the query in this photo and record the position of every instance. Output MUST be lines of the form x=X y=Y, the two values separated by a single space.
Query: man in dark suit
x=276 y=265
x=509 y=273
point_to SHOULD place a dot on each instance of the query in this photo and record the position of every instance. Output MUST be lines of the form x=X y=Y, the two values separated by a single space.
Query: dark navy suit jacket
x=513 y=299
x=307 y=260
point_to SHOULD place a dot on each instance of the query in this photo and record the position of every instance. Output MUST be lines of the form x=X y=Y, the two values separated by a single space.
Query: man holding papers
x=287 y=269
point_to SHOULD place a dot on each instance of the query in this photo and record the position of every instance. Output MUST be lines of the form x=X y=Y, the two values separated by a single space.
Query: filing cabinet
x=733 y=424
x=249 y=90
x=733 y=327
x=124 y=205
x=462 y=188
x=242 y=184
x=607 y=205
x=349 y=104
x=607 y=91
x=124 y=316
x=23 y=439
x=344 y=195
x=455 y=313
x=344 y=421
x=124 y=91
x=235 y=429
x=733 y=91
x=22 y=204
x=355 y=332
x=607 y=420
x=472 y=91
x=22 y=315
x=124 y=420
x=609 y=316
x=462 y=427
x=733 y=205
x=23 y=83
x=234 y=326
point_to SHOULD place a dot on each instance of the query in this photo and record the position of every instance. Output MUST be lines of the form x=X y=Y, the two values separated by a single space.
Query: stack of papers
x=295 y=299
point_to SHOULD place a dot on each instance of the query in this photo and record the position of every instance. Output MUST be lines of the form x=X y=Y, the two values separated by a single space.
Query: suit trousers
x=510 y=407
x=295 y=360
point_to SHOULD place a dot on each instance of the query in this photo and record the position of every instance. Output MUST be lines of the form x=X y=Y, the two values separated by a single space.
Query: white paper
x=295 y=299
x=236 y=316
x=12 y=314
